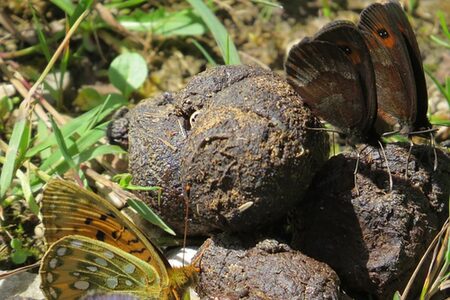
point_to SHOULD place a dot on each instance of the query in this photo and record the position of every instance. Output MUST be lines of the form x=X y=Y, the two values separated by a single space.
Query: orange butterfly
x=95 y=248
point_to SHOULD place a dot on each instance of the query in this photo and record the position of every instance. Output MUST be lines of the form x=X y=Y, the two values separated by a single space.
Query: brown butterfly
x=333 y=74
x=401 y=87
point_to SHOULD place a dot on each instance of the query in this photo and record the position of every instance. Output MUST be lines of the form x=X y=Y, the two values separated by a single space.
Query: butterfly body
x=95 y=248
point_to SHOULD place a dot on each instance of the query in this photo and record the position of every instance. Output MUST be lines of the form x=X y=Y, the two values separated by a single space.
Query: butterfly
x=401 y=87
x=93 y=247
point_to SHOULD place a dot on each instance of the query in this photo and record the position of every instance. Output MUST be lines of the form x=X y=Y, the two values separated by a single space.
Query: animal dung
x=232 y=144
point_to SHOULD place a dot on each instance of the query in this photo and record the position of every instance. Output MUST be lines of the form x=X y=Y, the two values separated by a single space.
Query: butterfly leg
x=355 y=172
x=433 y=144
x=411 y=144
x=391 y=184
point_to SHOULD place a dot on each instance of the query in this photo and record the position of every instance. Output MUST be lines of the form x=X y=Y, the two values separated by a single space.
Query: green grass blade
x=223 y=40
x=62 y=146
x=440 y=87
x=94 y=152
x=82 y=123
x=204 y=52
x=82 y=6
x=66 y=5
x=149 y=215
x=18 y=143
x=27 y=193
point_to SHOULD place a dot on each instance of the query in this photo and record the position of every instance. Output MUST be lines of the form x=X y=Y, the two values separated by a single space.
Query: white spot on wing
x=109 y=254
x=92 y=268
x=49 y=277
x=112 y=282
x=81 y=285
x=53 y=293
x=53 y=263
x=76 y=243
x=101 y=261
x=129 y=268
x=61 y=251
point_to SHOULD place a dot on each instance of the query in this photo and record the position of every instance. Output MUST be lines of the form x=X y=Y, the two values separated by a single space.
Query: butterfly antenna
x=355 y=171
x=391 y=184
x=20 y=270
x=186 y=194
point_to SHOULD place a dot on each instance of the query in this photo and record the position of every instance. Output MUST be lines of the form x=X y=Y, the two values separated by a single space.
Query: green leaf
x=19 y=256
x=74 y=147
x=18 y=143
x=160 y=22
x=124 y=4
x=128 y=72
x=82 y=123
x=62 y=146
x=41 y=37
x=16 y=244
x=149 y=215
x=223 y=40
x=27 y=193
x=397 y=296
x=92 y=153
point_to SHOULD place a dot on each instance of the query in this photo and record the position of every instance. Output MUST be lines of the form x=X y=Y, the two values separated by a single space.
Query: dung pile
x=235 y=146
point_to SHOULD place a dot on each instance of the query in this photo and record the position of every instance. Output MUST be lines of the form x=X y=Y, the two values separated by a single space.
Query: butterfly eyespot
x=383 y=33
x=347 y=50
x=112 y=282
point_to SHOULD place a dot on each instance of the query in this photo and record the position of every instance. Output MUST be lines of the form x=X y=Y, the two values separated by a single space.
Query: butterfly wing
x=324 y=77
x=75 y=264
x=398 y=16
x=347 y=37
x=68 y=209
x=396 y=89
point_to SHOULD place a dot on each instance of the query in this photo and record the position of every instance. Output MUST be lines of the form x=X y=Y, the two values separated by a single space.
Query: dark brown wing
x=398 y=16
x=323 y=75
x=346 y=36
x=396 y=90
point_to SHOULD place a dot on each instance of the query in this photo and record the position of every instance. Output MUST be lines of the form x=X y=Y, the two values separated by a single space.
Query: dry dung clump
x=234 y=268
x=373 y=240
x=232 y=144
